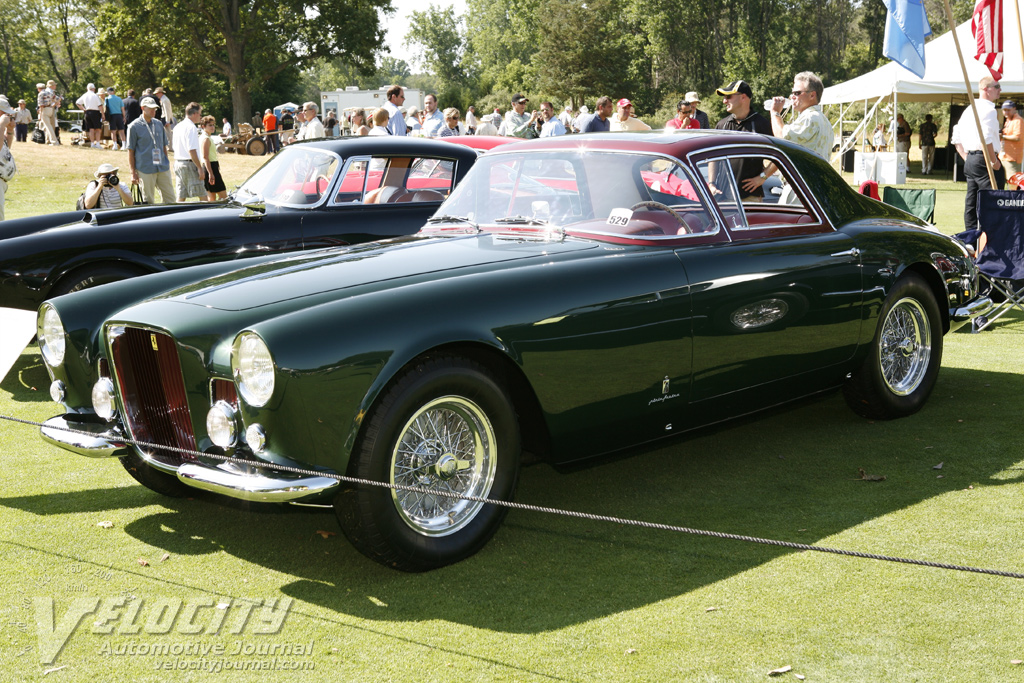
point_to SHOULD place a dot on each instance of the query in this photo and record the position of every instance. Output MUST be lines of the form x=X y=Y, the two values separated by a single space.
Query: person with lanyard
x=148 y=158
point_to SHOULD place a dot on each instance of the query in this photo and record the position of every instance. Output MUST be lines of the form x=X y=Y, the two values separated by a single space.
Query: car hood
x=326 y=272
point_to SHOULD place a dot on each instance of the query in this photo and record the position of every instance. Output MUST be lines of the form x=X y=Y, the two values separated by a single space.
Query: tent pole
x=970 y=98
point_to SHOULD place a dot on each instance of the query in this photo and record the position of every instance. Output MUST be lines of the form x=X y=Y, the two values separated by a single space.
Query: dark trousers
x=21 y=132
x=977 y=180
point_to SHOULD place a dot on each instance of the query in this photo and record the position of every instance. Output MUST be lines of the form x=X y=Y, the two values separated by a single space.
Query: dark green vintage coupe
x=573 y=296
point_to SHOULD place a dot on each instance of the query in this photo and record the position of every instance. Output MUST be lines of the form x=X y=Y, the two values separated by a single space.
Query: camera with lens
x=113 y=180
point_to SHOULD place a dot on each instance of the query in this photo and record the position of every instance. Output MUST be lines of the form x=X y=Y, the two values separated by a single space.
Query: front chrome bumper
x=245 y=482
x=101 y=441
x=963 y=315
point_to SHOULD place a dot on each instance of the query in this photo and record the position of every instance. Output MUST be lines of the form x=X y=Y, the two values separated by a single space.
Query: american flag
x=987 y=26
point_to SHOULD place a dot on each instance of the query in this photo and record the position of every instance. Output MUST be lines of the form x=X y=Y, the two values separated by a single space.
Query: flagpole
x=970 y=98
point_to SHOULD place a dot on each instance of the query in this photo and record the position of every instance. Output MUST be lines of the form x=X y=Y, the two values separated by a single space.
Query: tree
x=248 y=42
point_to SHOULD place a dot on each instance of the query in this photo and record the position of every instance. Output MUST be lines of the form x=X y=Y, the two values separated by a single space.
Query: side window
x=717 y=173
x=430 y=180
x=770 y=202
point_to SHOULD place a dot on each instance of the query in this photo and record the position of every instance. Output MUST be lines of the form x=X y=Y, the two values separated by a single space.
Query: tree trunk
x=241 y=103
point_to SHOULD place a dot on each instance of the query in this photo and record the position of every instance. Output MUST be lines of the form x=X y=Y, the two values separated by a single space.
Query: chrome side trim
x=232 y=481
x=101 y=442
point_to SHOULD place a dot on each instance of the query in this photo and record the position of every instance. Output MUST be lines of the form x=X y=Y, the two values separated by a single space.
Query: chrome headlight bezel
x=52 y=339
x=252 y=366
x=104 y=403
x=222 y=424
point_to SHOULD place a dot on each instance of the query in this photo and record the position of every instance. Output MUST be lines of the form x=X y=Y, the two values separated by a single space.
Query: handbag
x=137 y=196
x=7 y=166
x=38 y=136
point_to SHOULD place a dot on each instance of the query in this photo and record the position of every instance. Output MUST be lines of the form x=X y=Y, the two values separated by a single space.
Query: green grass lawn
x=551 y=598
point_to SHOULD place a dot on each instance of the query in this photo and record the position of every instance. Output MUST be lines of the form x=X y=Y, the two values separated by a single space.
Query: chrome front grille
x=152 y=390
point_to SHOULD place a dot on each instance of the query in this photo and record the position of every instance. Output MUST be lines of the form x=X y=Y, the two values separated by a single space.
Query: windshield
x=297 y=176
x=575 y=191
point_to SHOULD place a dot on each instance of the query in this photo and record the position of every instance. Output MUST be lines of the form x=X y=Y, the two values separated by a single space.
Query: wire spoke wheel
x=447 y=446
x=905 y=347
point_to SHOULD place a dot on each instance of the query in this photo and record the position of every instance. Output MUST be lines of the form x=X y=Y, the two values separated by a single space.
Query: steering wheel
x=663 y=207
x=327 y=183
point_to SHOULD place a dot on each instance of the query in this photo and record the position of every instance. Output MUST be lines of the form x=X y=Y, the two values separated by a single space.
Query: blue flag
x=905 y=30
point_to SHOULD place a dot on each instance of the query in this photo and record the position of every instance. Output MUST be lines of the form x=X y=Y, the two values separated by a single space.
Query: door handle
x=849 y=252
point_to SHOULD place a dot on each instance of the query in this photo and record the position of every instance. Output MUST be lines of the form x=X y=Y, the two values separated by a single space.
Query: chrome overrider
x=969 y=312
x=232 y=479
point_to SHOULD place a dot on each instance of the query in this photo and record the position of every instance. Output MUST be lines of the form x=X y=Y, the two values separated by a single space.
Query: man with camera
x=107 y=191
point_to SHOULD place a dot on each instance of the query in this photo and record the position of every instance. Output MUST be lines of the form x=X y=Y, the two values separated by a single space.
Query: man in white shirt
x=91 y=103
x=433 y=119
x=227 y=128
x=189 y=171
x=471 y=121
x=396 y=119
x=970 y=147
x=566 y=117
x=312 y=128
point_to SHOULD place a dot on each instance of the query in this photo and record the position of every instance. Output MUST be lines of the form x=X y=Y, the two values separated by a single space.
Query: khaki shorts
x=186 y=181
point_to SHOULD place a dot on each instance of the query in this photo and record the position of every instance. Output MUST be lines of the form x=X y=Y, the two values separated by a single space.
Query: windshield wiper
x=453 y=219
x=522 y=220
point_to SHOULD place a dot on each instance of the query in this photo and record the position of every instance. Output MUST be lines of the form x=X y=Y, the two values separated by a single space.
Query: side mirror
x=255 y=209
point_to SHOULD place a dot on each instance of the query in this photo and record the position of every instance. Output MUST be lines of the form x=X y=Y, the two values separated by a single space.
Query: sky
x=398 y=23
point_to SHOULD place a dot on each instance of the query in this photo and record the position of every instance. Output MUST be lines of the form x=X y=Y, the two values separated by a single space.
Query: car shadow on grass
x=792 y=474
x=27 y=381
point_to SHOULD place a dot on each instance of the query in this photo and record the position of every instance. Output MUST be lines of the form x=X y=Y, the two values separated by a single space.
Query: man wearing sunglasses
x=811 y=128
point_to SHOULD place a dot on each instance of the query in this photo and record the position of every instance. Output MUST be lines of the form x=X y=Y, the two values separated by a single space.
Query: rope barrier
x=548 y=510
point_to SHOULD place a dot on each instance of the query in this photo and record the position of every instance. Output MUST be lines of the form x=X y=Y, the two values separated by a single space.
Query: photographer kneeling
x=107 y=191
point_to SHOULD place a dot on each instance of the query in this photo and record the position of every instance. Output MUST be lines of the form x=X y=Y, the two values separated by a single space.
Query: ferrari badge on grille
x=152 y=340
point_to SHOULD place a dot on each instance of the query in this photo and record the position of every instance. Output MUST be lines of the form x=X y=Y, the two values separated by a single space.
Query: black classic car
x=573 y=296
x=311 y=195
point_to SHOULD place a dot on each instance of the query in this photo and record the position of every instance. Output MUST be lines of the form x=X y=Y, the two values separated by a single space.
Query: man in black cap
x=750 y=171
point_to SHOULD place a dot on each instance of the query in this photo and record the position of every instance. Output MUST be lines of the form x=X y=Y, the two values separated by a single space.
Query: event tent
x=943 y=78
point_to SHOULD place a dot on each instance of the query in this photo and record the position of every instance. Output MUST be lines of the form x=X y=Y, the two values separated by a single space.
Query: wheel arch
x=934 y=281
x=533 y=429
x=124 y=261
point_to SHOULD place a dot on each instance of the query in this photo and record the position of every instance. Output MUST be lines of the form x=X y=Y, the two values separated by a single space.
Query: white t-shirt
x=184 y=138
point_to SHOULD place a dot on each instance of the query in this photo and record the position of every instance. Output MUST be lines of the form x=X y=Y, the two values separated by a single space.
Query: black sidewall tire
x=93 y=276
x=867 y=392
x=368 y=515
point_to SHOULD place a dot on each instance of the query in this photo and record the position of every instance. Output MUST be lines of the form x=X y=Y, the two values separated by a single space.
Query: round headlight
x=220 y=424
x=254 y=370
x=256 y=437
x=50 y=331
x=103 y=398
x=57 y=391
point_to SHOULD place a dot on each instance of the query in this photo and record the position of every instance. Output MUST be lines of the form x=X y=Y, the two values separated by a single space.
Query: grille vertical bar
x=153 y=391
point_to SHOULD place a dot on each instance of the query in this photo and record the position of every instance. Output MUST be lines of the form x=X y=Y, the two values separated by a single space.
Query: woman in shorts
x=214 y=183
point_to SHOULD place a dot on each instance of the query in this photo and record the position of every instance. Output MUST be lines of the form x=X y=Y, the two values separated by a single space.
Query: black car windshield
x=576 y=191
x=297 y=176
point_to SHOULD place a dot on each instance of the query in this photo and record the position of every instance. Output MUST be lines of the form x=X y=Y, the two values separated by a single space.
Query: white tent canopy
x=943 y=77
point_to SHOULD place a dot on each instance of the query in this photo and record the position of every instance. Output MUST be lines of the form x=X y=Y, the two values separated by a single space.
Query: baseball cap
x=625 y=103
x=517 y=98
x=692 y=96
x=740 y=87
x=1009 y=104
x=5 y=106
x=149 y=103
x=110 y=89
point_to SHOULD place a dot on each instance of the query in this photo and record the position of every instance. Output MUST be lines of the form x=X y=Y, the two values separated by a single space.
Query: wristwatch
x=763 y=176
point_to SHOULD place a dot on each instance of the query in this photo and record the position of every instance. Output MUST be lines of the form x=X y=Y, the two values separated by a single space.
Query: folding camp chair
x=1001 y=261
x=920 y=203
